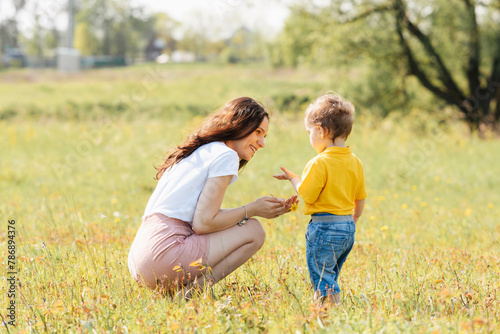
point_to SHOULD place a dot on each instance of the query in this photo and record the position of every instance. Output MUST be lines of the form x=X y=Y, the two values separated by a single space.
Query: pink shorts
x=161 y=244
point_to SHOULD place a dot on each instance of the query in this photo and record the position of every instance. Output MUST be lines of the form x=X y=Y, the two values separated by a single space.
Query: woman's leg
x=231 y=248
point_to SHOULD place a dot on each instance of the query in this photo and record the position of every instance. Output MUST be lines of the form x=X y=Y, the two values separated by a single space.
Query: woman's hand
x=291 y=202
x=267 y=207
x=272 y=207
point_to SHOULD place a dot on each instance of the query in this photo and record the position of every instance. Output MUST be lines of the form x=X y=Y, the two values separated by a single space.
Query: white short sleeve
x=178 y=190
x=226 y=164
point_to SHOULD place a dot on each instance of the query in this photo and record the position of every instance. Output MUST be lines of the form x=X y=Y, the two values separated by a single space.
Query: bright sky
x=216 y=17
x=221 y=16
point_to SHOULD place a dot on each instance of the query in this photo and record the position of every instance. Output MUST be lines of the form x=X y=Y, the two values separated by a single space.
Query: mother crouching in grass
x=185 y=238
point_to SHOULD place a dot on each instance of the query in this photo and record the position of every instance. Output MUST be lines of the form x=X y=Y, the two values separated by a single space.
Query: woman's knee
x=258 y=232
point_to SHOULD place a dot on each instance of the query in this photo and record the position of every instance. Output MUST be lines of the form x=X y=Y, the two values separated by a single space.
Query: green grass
x=426 y=258
x=152 y=89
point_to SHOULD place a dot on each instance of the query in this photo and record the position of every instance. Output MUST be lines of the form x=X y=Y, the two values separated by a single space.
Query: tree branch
x=494 y=82
x=378 y=9
x=445 y=77
x=419 y=73
x=474 y=49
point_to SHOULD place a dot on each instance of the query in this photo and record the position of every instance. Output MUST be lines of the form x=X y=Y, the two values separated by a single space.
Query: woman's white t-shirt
x=179 y=188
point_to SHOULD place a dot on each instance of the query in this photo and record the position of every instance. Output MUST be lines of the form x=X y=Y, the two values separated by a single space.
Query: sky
x=268 y=16
x=219 y=17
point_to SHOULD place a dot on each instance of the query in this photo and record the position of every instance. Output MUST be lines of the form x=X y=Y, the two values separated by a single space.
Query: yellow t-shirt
x=332 y=181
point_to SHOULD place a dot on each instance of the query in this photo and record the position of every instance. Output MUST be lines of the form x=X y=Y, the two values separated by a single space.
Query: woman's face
x=246 y=147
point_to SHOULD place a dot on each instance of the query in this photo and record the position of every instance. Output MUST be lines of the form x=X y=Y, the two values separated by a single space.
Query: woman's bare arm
x=208 y=216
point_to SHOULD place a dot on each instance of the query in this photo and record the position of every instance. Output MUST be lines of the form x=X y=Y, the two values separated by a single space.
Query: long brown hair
x=237 y=119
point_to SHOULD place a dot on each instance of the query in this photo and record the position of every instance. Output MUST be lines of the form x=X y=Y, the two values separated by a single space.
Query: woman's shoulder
x=215 y=149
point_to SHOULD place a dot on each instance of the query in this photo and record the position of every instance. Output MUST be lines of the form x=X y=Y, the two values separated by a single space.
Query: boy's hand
x=287 y=175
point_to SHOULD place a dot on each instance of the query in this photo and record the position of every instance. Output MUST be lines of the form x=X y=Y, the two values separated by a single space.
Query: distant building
x=14 y=57
x=183 y=57
x=158 y=45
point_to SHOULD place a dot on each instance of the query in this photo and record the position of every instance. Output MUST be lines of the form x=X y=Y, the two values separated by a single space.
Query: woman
x=184 y=222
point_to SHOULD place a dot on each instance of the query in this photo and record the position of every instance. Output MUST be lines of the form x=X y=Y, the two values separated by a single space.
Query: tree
x=9 y=30
x=475 y=99
x=451 y=47
x=85 y=40
x=111 y=27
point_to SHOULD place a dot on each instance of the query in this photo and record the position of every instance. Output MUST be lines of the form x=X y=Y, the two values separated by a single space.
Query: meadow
x=76 y=171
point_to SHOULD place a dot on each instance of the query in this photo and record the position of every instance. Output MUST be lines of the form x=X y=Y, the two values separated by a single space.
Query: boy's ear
x=323 y=132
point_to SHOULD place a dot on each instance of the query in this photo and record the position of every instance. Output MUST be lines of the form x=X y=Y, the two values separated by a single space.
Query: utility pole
x=68 y=58
x=71 y=24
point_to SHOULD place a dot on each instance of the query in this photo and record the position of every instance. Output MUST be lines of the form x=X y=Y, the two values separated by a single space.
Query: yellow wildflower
x=196 y=263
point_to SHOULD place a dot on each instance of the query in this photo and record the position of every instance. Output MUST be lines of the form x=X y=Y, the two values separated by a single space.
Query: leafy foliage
x=452 y=50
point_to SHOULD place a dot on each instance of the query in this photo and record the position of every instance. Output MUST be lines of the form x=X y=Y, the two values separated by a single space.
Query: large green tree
x=452 y=47
x=112 y=27
x=9 y=30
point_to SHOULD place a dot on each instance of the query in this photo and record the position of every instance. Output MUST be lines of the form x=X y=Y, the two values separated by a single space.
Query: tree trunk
x=496 y=115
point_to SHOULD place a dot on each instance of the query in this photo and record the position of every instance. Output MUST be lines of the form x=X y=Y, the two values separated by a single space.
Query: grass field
x=76 y=173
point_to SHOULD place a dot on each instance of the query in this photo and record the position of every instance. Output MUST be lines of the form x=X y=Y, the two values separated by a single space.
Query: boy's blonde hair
x=333 y=113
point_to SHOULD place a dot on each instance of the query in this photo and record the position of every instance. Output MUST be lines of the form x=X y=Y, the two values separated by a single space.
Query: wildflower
x=114 y=201
x=491 y=206
x=468 y=212
x=294 y=207
x=404 y=206
x=444 y=293
x=384 y=228
x=58 y=306
x=196 y=263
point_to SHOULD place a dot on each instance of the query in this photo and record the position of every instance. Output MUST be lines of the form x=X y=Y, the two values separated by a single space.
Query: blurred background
x=94 y=92
x=438 y=57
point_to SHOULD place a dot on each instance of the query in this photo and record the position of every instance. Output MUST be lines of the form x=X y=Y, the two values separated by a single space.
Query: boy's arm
x=296 y=181
x=290 y=176
x=359 y=205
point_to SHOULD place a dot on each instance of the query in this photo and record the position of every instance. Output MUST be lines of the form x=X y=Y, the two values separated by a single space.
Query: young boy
x=333 y=190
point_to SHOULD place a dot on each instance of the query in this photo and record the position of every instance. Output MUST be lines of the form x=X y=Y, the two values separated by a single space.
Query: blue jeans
x=329 y=239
